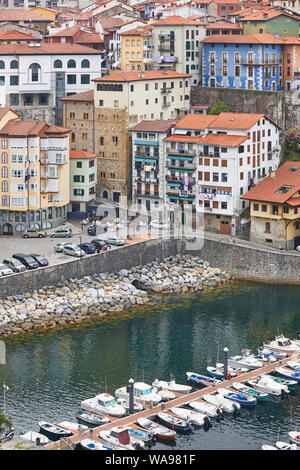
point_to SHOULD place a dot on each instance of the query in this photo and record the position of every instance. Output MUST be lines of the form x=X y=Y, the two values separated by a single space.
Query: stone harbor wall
x=79 y=299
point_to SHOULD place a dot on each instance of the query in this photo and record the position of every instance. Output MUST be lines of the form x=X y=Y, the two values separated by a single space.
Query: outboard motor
x=207 y=423
x=219 y=415
x=235 y=410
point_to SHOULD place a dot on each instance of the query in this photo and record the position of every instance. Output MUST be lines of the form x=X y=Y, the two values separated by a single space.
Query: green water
x=49 y=373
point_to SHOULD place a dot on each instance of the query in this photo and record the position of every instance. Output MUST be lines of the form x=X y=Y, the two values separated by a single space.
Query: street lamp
x=5 y=389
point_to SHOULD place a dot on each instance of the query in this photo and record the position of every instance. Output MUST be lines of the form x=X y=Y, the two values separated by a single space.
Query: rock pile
x=76 y=300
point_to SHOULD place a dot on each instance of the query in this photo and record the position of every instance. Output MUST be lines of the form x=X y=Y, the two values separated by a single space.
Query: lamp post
x=131 y=395
x=5 y=389
x=225 y=363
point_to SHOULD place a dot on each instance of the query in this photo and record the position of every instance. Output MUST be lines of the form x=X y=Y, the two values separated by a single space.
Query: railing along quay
x=181 y=400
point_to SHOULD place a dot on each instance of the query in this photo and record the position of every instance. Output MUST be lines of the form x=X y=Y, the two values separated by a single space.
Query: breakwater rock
x=77 y=300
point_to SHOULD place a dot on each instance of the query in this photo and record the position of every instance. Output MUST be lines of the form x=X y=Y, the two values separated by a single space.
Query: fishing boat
x=295 y=437
x=285 y=446
x=291 y=384
x=268 y=447
x=142 y=434
x=119 y=436
x=74 y=427
x=246 y=360
x=218 y=373
x=266 y=384
x=267 y=357
x=194 y=417
x=294 y=365
x=283 y=344
x=37 y=438
x=199 y=379
x=242 y=398
x=264 y=351
x=160 y=432
x=91 y=418
x=143 y=394
x=206 y=408
x=53 y=431
x=221 y=402
x=137 y=407
x=291 y=375
x=172 y=386
x=104 y=403
x=240 y=387
x=91 y=444
x=175 y=423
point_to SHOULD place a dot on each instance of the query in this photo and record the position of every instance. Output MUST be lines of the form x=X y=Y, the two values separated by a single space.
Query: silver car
x=15 y=265
x=5 y=270
x=73 y=250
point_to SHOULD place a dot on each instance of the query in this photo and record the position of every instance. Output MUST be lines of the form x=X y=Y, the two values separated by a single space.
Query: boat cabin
x=141 y=389
x=106 y=400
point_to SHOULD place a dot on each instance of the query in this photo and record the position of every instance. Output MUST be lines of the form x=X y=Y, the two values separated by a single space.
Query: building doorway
x=7 y=229
x=225 y=227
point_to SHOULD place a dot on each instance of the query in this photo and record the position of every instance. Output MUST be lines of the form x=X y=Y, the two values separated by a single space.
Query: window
x=43 y=99
x=78 y=164
x=4 y=143
x=14 y=80
x=255 y=207
x=85 y=64
x=57 y=64
x=71 y=64
x=264 y=208
x=85 y=79
x=224 y=177
x=35 y=72
x=85 y=116
x=2 y=80
x=14 y=100
x=14 y=64
x=268 y=227
x=71 y=79
x=2 y=64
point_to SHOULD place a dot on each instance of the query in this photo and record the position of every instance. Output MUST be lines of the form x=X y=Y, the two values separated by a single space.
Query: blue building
x=244 y=62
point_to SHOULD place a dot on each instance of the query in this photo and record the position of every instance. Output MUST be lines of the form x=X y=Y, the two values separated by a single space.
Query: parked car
x=33 y=233
x=5 y=270
x=99 y=244
x=62 y=233
x=27 y=260
x=40 y=260
x=94 y=229
x=89 y=248
x=159 y=225
x=73 y=250
x=15 y=265
x=116 y=241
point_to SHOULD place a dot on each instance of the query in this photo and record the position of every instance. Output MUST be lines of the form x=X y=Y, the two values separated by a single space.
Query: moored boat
x=285 y=446
x=242 y=398
x=206 y=408
x=218 y=372
x=142 y=434
x=294 y=365
x=283 y=344
x=91 y=444
x=200 y=379
x=172 y=386
x=292 y=375
x=171 y=421
x=268 y=447
x=194 y=417
x=240 y=387
x=91 y=419
x=74 y=427
x=53 y=431
x=137 y=407
x=218 y=400
x=119 y=436
x=248 y=361
x=37 y=438
x=143 y=394
x=159 y=431
x=104 y=403
x=265 y=383
x=295 y=437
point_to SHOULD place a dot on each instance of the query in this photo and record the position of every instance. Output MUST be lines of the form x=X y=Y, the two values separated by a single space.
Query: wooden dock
x=181 y=400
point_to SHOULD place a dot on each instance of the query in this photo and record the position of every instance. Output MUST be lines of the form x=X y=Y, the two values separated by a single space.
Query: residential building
x=271 y=21
x=17 y=37
x=19 y=16
x=148 y=165
x=33 y=77
x=275 y=208
x=218 y=27
x=247 y=62
x=83 y=179
x=34 y=174
x=213 y=160
x=137 y=49
x=178 y=46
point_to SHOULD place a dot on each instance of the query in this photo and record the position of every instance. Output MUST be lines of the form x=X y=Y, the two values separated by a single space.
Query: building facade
x=83 y=179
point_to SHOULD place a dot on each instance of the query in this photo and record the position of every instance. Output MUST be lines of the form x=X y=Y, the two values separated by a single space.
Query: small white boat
x=172 y=386
x=285 y=446
x=240 y=387
x=289 y=374
x=91 y=418
x=283 y=344
x=143 y=394
x=159 y=431
x=53 y=431
x=165 y=394
x=193 y=417
x=221 y=402
x=104 y=403
x=91 y=444
x=268 y=447
x=294 y=365
x=268 y=385
x=37 y=438
x=248 y=361
x=177 y=424
x=238 y=397
x=266 y=352
x=206 y=408
x=119 y=436
x=295 y=437
x=73 y=427
x=125 y=403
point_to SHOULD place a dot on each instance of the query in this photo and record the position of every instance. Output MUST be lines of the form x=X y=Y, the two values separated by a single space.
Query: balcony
x=146 y=142
x=166 y=37
x=166 y=90
x=163 y=48
x=166 y=104
x=173 y=153
x=186 y=167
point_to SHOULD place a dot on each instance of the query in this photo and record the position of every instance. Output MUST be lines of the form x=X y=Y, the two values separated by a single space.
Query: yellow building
x=34 y=173
x=275 y=208
x=46 y=12
x=137 y=49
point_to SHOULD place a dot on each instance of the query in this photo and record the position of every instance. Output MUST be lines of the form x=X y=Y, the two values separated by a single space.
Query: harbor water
x=50 y=373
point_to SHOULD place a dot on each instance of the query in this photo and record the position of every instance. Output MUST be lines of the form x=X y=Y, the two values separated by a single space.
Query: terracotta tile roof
x=19 y=14
x=146 y=75
x=45 y=48
x=223 y=26
x=139 y=31
x=195 y=121
x=3 y=111
x=14 y=34
x=154 y=126
x=175 y=20
x=85 y=37
x=238 y=120
x=210 y=139
x=111 y=22
x=267 y=190
x=264 y=38
x=84 y=96
x=265 y=15
x=81 y=154
x=23 y=128
x=66 y=32
x=57 y=130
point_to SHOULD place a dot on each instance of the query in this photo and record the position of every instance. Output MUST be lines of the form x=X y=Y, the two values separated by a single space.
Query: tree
x=221 y=107
x=4 y=422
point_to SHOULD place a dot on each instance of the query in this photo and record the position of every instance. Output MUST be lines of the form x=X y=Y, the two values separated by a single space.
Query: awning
x=181 y=131
x=145 y=159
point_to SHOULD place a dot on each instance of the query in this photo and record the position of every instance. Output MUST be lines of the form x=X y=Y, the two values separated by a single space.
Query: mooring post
x=226 y=363
x=131 y=395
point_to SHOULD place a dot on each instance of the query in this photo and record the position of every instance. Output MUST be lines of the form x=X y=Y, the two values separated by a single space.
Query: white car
x=73 y=250
x=5 y=270
x=116 y=241
x=159 y=225
x=59 y=247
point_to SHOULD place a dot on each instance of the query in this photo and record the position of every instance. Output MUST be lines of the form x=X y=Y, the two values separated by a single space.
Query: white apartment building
x=83 y=179
x=213 y=160
x=148 y=164
x=33 y=77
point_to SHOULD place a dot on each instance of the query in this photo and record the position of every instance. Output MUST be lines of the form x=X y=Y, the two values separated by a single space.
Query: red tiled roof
x=195 y=121
x=220 y=25
x=66 y=32
x=19 y=14
x=176 y=20
x=267 y=190
x=45 y=48
x=154 y=126
x=84 y=96
x=146 y=75
x=238 y=120
x=14 y=34
x=264 y=38
x=81 y=154
x=265 y=15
